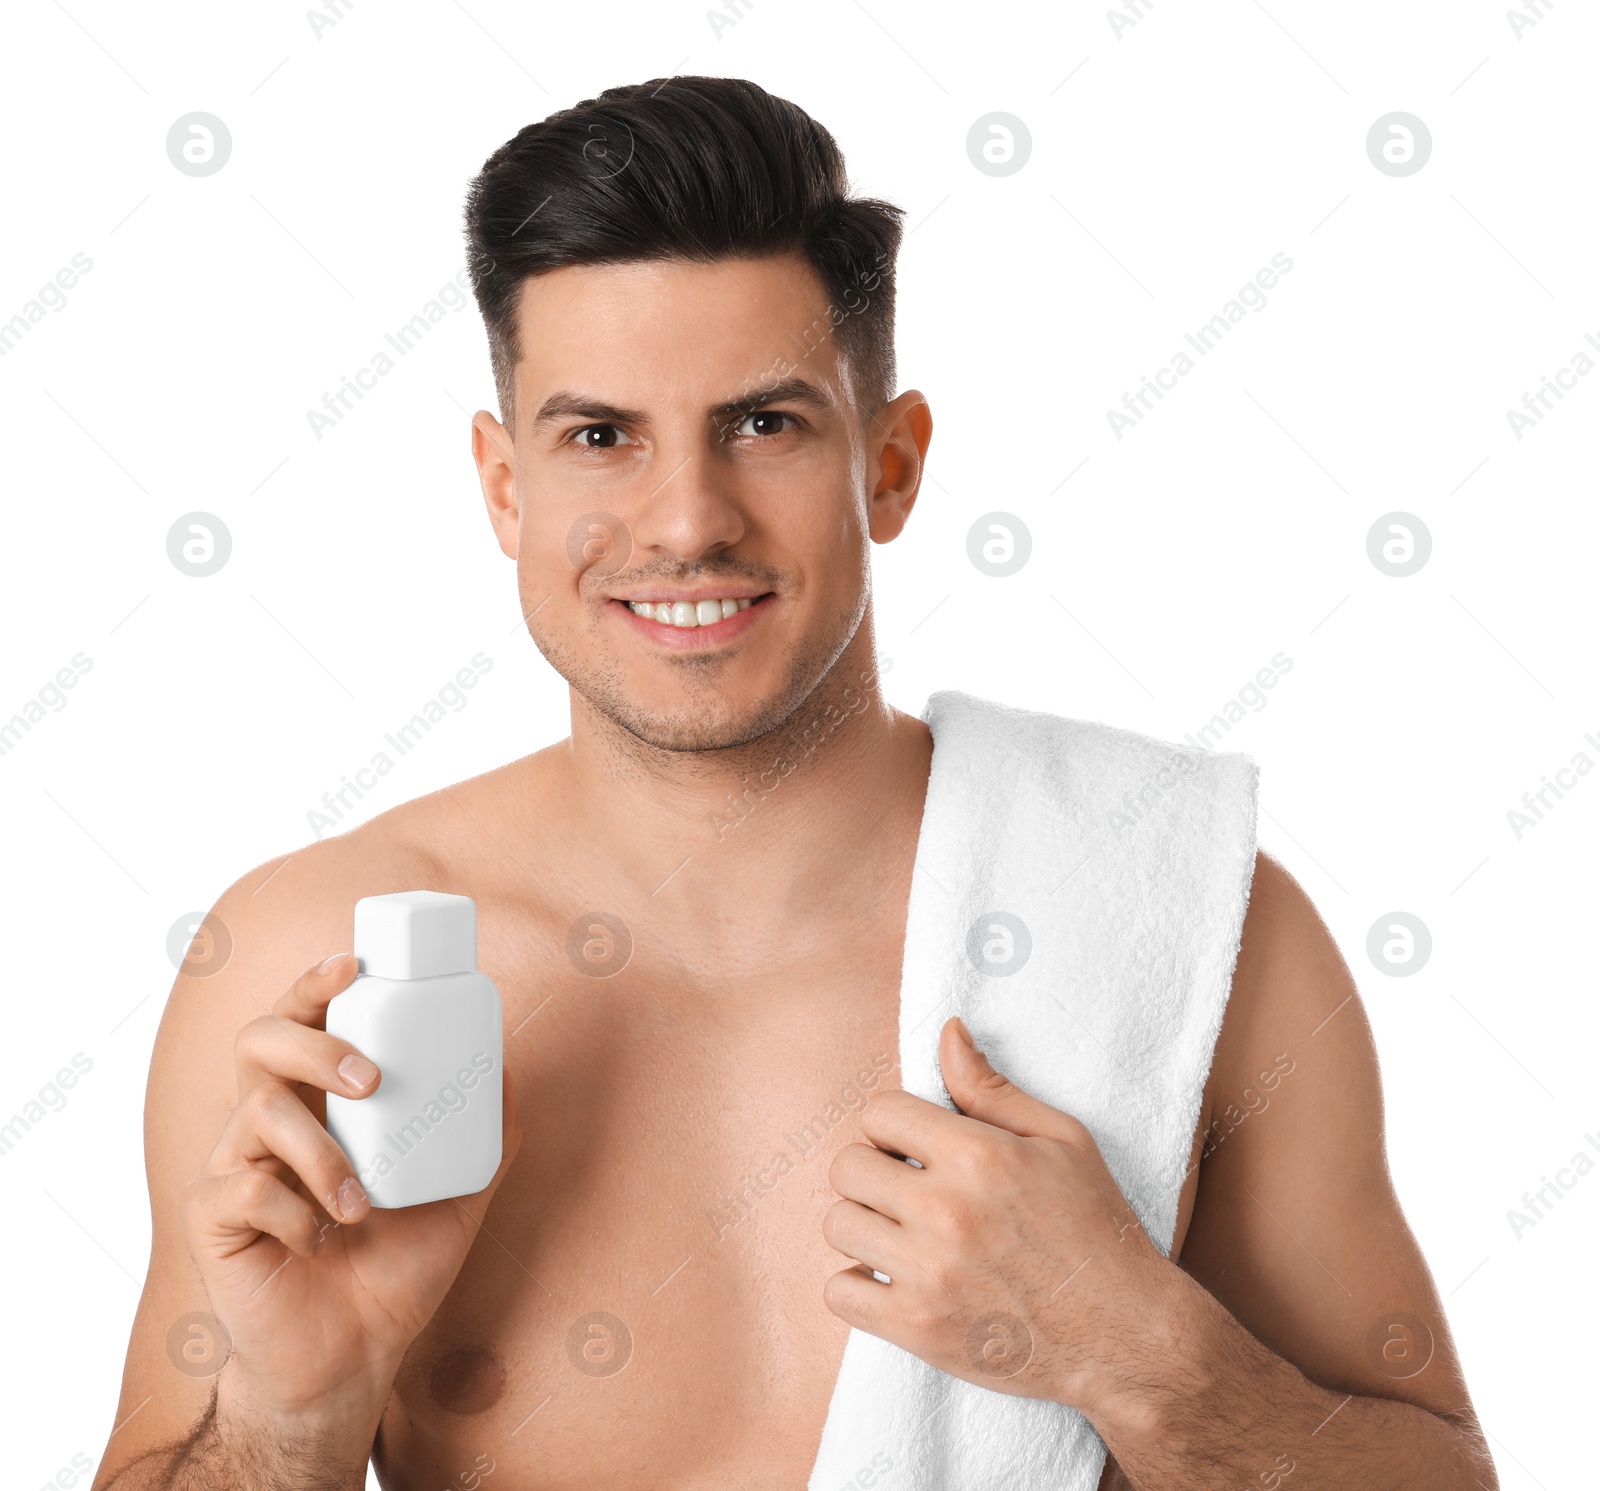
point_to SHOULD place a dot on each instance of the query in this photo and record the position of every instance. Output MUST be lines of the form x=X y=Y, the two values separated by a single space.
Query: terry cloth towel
x=1078 y=897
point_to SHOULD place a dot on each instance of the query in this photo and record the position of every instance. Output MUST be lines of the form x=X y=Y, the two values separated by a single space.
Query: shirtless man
x=642 y=413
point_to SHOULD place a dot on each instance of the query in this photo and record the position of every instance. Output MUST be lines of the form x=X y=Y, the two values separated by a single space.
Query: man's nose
x=686 y=504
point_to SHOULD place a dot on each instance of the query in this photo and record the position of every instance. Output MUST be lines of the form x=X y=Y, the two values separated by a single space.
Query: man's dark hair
x=684 y=168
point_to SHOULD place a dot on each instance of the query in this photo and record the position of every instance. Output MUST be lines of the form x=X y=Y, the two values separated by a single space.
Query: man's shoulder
x=294 y=909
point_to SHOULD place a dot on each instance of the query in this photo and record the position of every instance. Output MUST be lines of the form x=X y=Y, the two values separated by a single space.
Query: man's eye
x=763 y=422
x=601 y=437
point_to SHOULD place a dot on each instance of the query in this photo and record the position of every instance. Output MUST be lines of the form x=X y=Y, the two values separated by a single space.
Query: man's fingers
x=858 y=1299
x=992 y=1098
x=900 y=1121
x=861 y=1173
x=306 y=1001
x=271 y=1122
x=273 y=1046
x=225 y=1212
x=863 y=1234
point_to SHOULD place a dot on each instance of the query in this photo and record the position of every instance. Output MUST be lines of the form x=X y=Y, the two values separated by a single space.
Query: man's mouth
x=689 y=614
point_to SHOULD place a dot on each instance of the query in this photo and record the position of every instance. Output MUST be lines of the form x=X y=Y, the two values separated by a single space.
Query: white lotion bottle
x=422 y=1010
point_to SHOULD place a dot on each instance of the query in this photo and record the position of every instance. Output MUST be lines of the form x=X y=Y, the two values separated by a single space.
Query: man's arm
x=170 y=1430
x=271 y=1279
x=1318 y=1335
x=1334 y=1366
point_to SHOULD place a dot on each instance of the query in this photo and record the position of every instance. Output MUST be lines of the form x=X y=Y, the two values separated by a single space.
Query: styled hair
x=693 y=168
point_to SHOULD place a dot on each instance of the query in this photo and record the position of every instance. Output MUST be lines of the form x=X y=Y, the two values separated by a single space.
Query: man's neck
x=767 y=834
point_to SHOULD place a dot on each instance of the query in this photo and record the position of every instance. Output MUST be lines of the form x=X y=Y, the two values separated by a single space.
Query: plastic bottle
x=432 y=1022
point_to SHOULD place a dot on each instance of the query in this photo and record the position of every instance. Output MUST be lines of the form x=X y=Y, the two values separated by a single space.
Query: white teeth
x=689 y=613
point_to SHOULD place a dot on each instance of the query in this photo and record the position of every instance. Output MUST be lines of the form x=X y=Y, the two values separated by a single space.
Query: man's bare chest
x=645 y=1303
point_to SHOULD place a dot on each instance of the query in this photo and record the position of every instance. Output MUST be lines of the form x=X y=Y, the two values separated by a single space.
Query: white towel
x=1125 y=865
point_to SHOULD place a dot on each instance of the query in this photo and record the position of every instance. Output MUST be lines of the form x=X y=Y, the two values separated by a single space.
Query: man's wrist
x=1162 y=1354
x=334 y=1434
x=1177 y=1354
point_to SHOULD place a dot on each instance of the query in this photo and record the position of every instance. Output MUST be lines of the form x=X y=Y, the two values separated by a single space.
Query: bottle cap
x=416 y=934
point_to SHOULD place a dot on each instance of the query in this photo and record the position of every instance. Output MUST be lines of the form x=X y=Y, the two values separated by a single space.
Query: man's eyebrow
x=585 y=406
x=786 y=391
x=564 y=405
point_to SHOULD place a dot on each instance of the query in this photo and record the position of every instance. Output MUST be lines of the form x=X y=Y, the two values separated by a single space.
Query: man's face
x=689 y=436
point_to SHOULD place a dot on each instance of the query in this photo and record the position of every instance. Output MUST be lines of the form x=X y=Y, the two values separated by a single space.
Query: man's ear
x=900 y=434
x=496 y=460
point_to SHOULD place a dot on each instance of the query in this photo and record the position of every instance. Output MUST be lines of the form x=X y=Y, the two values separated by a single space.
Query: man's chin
x=693 y=730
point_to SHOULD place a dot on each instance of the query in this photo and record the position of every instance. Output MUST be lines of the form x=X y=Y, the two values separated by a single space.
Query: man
x=698 y=910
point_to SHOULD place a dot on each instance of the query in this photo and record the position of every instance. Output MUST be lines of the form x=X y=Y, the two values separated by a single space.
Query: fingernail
x=328 y=963
x=350 y=1198
x=965 y=1034
x=357 y=1071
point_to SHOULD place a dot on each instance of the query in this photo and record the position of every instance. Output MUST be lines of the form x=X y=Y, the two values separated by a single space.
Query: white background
x=1168 y=165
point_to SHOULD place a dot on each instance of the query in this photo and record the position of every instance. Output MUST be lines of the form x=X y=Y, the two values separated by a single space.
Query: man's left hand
x=1015 y=1261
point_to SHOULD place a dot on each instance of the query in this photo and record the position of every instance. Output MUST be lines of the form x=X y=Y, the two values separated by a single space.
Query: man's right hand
x=320 y=1294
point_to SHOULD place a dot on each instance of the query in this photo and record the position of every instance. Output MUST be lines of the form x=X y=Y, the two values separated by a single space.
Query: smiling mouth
x=690 y=614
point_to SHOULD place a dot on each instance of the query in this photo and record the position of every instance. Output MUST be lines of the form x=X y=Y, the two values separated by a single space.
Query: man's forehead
x=722 y=330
